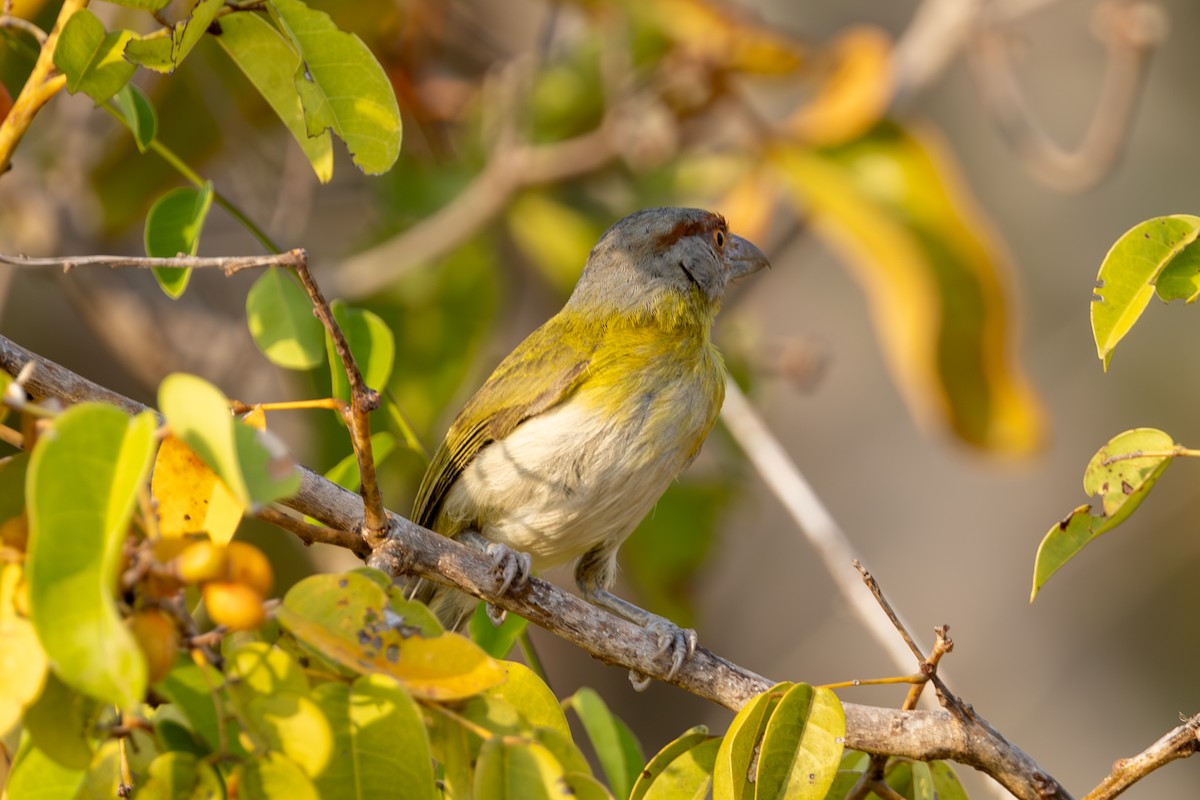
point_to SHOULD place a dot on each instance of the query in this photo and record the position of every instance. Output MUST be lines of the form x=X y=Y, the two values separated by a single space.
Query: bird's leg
x=594 y=574
x=512 y=567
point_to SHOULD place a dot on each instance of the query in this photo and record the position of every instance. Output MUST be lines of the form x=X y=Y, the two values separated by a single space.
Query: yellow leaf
x=22 y=660
x=724 y=38
x=934 y=277
x=856 y=92
x=191 y=498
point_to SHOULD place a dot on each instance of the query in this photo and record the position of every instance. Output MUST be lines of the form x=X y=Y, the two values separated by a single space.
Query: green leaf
x=663 y=759
x=515 y=768
x=198 y=413
x=84 y=477
x=1130 y=270
x=273 y=777
x=1121 y=474
x=163 y=53
x=382 y=742
x=59 y=724
x=91 y=58
x=145 y=5
x=270 y=62
x=342 y=87
x=345 y=472
x=936 y=283
x=616 y=747
x=36 y=776
x=181 y=776
x=802 y=745
x=496 y=640
x=945 y=782
x=732 y=776
x=173 y=227
x=531 y=697
x=259 y=669
x=138 y=115
x=292 y=724
x=190 y=688
x=347 y=619
x=689 y=775
x=371 y=343
x=281 y=321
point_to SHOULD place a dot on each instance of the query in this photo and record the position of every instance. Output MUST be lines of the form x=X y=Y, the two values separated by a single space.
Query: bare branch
x=228 y=265
x=1179 y=743
x=1130 y=31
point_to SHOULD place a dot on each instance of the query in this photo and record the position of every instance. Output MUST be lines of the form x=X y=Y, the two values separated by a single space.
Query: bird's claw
x=679 y=642
x=512 y=567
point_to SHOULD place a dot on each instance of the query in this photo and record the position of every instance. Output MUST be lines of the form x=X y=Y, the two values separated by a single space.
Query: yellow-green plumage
x=580 y=429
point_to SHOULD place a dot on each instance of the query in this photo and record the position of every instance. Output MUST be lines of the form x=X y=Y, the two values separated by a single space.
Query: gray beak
x=743 y=258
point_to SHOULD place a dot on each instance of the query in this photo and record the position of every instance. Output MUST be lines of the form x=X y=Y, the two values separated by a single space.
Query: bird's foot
x=679 y=642
x=512 y=568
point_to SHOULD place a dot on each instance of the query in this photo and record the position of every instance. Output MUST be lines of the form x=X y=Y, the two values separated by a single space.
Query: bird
x=577 y=433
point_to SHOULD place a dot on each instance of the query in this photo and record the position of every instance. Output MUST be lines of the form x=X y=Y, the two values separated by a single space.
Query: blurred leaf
x=371 y=343
x=295 y=726
x=138 y=115
x=892 y=201
x=555 y=237
x=191 y=498
x=59 y=723
x=198 y=413
x=616 y=747
x=496 y=640
x=855 y=93
x=145 y=5
x=516 y=768
x=346 y=619
x=1131 y=269
x=191 y=689
x=181 y=776
x=1121 y=474
x=271 y=776
x=22 y=660
x=270 y=63
x=342 y=87
x=82 y=486
x=12 y=486
x=531 y=697
x=670 y=545
x=91 y=58
x=680 y=749
x=259 y=669
x=35 y=776
x=173 y=227
x=345 y=472
x=723 y=37
x=163 y=53
x=945 y=781
x=381 y=741
x=282 y=323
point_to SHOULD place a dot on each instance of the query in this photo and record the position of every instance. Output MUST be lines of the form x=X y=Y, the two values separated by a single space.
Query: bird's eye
x=719 y=238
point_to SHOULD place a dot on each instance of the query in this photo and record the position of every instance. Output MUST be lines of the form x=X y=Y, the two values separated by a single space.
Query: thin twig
x=8 y=20
x=1182 y=742
x=229 y=265
x=363 y=400
x=314 y=534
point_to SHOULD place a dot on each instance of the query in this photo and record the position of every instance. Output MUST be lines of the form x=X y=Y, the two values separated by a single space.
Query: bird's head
x=670 y=264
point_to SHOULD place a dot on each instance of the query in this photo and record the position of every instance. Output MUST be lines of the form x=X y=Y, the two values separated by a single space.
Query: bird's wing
x=554 y=357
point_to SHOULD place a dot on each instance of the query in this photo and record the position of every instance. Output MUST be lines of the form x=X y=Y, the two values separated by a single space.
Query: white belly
x=564 y=482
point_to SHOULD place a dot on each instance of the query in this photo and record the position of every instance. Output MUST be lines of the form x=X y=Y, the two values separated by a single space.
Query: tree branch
x=957 y=734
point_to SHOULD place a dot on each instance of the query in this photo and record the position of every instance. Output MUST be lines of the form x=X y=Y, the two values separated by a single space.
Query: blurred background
x=921 y=347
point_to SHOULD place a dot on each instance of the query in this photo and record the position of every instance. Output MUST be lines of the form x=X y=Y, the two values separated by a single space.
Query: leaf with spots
x=1121 y=474
x=347 y=620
